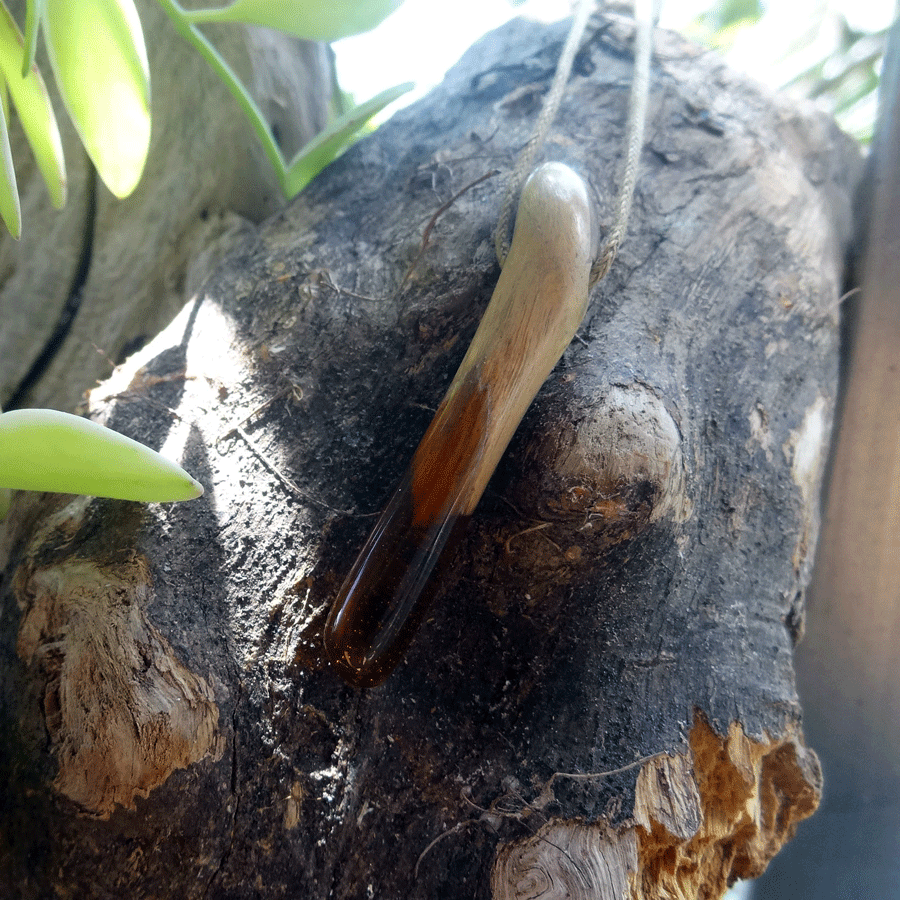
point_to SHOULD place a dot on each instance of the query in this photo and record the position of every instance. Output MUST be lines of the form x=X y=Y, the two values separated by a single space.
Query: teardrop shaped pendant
x=538 y=303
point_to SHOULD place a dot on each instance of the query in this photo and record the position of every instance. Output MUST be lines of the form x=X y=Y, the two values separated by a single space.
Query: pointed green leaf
x=29 y=96
x=96 y=48
x=312 y=19
x=326 y=145
x=46 y=450
x=34 y=11
x=10 y=209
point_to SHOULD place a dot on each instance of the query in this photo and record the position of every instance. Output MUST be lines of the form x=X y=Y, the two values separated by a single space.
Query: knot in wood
x=614 y=469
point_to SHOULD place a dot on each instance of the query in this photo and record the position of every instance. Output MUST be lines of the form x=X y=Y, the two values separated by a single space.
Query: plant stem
x=193 y=35
x=211 y=14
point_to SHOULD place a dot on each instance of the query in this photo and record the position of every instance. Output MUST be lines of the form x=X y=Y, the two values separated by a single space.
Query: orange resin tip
x=537 y=305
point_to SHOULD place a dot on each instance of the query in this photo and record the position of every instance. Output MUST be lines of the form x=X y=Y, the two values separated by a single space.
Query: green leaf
x=96 y=48
x=33 y=13
x=29 y=95
x=729 y=13
x=326 y=145
x=46 y=450
x=312 y=19
x=10 y=209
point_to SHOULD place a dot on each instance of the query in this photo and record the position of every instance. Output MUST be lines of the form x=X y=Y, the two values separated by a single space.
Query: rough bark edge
x=702 y=819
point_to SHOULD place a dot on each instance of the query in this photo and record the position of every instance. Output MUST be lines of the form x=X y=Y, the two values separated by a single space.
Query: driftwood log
x=602 y=702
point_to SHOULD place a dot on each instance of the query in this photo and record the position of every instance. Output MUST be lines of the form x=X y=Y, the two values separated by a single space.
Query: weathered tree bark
x=92 y=282
x=628 y=595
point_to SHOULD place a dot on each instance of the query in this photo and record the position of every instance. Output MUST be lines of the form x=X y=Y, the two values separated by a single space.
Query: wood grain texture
x=637 y=561
x=537 y=306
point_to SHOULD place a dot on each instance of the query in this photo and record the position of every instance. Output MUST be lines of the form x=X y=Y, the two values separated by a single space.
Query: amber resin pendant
x=537 y=305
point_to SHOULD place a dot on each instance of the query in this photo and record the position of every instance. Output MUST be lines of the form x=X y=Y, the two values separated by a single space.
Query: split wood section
x=121 y=710
x=714 y=813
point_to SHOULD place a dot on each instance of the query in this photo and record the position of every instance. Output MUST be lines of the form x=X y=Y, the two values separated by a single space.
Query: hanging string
x=644 y=16
x=525 y=162
x=645 y=12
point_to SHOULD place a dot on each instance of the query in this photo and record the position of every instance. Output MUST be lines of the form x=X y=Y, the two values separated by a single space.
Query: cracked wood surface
x=630 y=590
